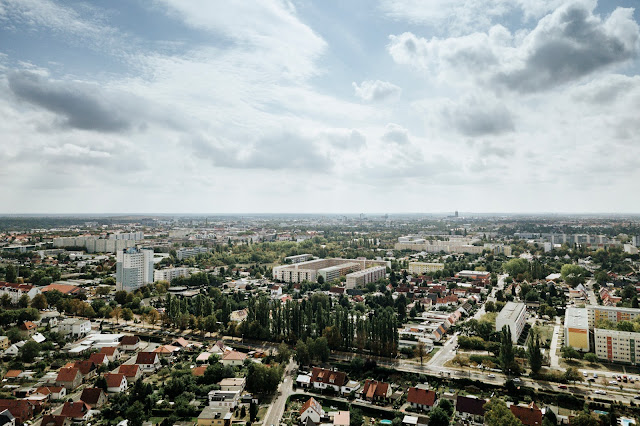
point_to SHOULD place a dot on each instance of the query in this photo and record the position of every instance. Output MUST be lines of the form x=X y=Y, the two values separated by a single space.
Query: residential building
x=342 y=418
x=99 y=359
x=4 y=343
x=421 y=399
x=55 y=420
x=329 y=269
x=529 y=415
x=224 y=399
x=129 y=343
x=323 y=378
x=53 y=392
x=16 y=291
x=77 y=411
x=576 y=329
x=149 y=362
x=365 y=276
x=93 y=397
x=214 y=416
x=514 y=316
x=21 y=409
x=311 y=409
x=74 y=326
x=374 y=390
x=233 y=384
x=610 y=313
x=471 y=409
x=420 y=268
x=617 y=346
x=27 y=329
x=116 y=382
x=70 y=378
x=186 y=252
x=134 y=268
x=169 y=274
x=233 y=358
x=6 y=418
x=298 y=258
x=131 y=371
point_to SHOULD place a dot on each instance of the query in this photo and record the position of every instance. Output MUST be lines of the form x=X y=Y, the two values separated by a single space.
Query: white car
x=595 y=375
x=600 y=392
x=491 y=376
x=584 y=373
x=517 y=380
x=613 y=382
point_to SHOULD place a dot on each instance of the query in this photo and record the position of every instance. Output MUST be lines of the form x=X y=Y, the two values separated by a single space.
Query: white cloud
x=376 y=90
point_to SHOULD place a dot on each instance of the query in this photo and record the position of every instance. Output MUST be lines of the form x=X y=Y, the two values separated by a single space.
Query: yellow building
x=4 y=342
x=214 y=416
x=576 y=329
x=424 y=267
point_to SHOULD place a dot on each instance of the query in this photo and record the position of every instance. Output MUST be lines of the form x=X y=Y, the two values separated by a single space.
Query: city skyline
x=183 y=107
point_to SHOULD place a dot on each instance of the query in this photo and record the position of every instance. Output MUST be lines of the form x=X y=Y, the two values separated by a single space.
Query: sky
x=332 y=106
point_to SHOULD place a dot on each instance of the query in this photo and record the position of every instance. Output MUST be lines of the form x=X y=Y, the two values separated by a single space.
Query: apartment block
x=610 y=313
x=514 y=316
x=170 y=273
x=424 y=267
x=576 y=329
x=329 y=269
x=366 y=276
x=187 y=252
x=617 y=346
x=134 y=268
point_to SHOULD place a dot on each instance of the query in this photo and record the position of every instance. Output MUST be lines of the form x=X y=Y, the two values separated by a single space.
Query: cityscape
x=319 y=213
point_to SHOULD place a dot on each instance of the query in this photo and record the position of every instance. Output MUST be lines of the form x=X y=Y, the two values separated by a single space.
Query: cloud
x=395 y=133
x=565 y=46
x=344 y=139
x=477 y=115
x=376 y=90
x=80 y=105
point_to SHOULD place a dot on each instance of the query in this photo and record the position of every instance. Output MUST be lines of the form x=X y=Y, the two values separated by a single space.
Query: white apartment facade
x=366 y=276
x=134 y=268
x=75 y=327
x=514 y=316
x=617 y=346
x=170 y=273
x=424 y=267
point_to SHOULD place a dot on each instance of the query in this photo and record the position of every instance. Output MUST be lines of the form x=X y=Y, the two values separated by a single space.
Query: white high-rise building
x=514 y=316
x=134 y=268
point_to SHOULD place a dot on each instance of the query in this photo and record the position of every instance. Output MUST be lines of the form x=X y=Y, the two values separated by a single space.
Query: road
x=285 y=390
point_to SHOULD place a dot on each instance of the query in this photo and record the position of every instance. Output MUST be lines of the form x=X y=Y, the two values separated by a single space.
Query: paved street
x=285 y=389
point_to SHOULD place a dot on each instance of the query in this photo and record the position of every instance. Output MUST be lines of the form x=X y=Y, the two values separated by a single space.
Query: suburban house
x=131 y=371
x=311 y=409
x=323 y=378
x=93 y=397
x=6 y=418
x=529 y=415
x=27 y=329
x=112 y=353
x=130 y=343
x=13 y=374
x=55 y=420
x=342 y=418
x=224 y=399
x=116 y=382
x=233 y=358
x=181 y=342
x=77 y=411
x=166 y=351
x=74 y=326
x=21 y=409
x=421 y=399
x=375 y=391
x=232 y=384
x=53 y=392
x=149 y=362
x=99 y=359
x=87 y=368
x=219 y=348
x=471 y=408
x=69 y=378
x=214 y=416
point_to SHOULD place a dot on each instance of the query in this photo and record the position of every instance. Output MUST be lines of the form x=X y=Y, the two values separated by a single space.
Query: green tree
x=447 y=406
x=127 y=314
x=302 y=353
x=419 y=351
x=498 y=414
x=29 y=351
x=569 y=353
x=10 y=274
x=534 y=353
x=284 y=353
x=573 y=274
x=572 y=374
x=516 y=266
x=591 y=357
x=584 y=419
x=101 y=383
x=39 y=302
x=24 y=301
x=438 y=417
x=253 y=411
x=507 y=355
x=357 y=419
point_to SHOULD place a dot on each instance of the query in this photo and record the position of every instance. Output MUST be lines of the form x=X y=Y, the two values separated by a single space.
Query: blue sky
x=319 y=106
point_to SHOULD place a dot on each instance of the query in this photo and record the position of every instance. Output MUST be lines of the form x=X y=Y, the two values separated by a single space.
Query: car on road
x=491 y=376
x=585 y=374
x=517 y=380
x=600 y=392
x=636 y=397
x=613 y=382
x=595 y=375
x=562 y=387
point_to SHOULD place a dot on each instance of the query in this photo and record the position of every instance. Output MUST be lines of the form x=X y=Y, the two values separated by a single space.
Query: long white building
x=514 y=316
x=366 y=276
x=424 y=267
x=134 y=268
x=170 y=273
x=329 y=269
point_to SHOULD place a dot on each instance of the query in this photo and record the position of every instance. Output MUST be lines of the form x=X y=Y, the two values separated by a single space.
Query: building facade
x=514 y=316
x=424 y=267
x=576 y=329
x=366 y=276
x=134 y=268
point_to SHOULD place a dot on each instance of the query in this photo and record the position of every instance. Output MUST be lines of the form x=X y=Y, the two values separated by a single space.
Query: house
x=66 y=289
x=303 y=380
x=14 y=349
x=21 y=409
x=74 y=327
x=233 y=358
x=4 y=343
x=181 y=343
x=87 y=368
x=130 y=343
x=149 y=362
x=224 y=399
x=50 y=322
x=16 y=291
x=77 y=411
x=311 y=409
x=214 y=416
x=38 y=337
x=112 y=353
x=342 y=418
x=116 y=382
x=69 y=378
x=6 y=418
x=375 y=391
x=93 y=397
x=99 y=359
x=53 y=392
x=471 y=408
x=166 y=350
x=323 y=378
x=276 y=291
x=421 y=399
x=13 y=374
x=219 y=348
x=131 y=371
x=233 y=384
x=27 y=329
x=529 y=415
x=54 y=420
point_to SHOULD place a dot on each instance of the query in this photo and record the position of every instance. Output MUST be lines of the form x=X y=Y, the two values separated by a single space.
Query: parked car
x=600 y=392
x=562 y=387
x=491 y=376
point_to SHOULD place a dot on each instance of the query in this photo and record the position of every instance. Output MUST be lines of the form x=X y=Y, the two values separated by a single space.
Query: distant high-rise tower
x=456 y=214
x=134 y=268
